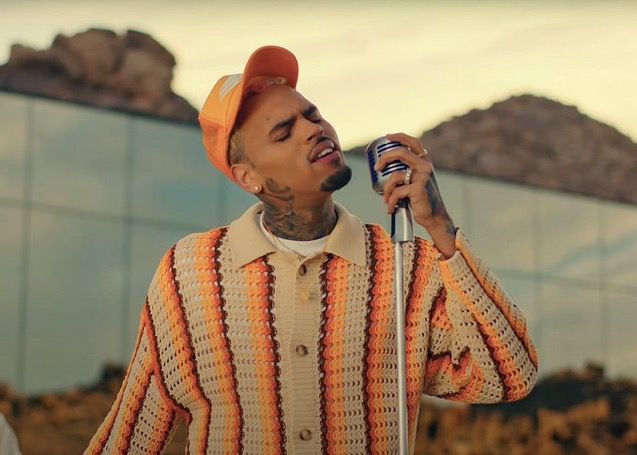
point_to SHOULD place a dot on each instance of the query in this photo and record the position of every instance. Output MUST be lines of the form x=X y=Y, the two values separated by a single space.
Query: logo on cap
x=231 y=82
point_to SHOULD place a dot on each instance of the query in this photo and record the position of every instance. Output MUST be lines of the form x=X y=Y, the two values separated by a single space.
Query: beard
x=338 y=179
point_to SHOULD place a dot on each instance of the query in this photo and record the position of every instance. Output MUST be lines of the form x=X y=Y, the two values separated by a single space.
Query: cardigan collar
x=247 y=241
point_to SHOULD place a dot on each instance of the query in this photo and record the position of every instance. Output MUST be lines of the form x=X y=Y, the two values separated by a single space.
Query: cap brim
x=272 y=61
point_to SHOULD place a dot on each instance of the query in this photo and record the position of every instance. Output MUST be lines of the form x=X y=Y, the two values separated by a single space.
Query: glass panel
x=569 y=236
x=359 y=197
x=79 y=157
x=451 y=186
x=10 y=285
x=235 y=201
x=75 y=299
x=147 y=245
x=502 y=218
x=13 y=143
x=622 y=336
x=571 y=325
x=620 y=242
x=173 y=180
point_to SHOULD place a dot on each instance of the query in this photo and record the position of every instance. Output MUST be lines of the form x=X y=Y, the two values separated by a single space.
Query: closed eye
x=311 y=113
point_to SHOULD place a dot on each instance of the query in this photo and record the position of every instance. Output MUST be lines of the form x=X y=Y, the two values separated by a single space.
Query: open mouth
x=329 y=151
x=325 y=153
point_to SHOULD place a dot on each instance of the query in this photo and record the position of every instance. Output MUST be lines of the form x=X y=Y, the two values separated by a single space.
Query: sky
x=376 y=67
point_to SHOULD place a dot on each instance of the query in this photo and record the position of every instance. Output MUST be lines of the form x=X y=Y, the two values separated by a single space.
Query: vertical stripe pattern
x=158 y=367
x=332 y=338
x=259 y=280
x=380 y=347
x=497 y=296
x=498 y=350
x=104 y=432
x=162 y=434
x=414 y=315
x=228 y=341
x=186 y=358
x=152 y=424
x=213 y=346
x=132 y=413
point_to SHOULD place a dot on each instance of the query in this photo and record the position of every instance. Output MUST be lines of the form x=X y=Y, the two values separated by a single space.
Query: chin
x=338 y=179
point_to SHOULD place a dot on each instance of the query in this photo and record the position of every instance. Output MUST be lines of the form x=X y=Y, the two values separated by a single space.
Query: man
x=276 y=334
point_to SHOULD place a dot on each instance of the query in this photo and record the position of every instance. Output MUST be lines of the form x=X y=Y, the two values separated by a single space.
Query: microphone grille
x=374 y=151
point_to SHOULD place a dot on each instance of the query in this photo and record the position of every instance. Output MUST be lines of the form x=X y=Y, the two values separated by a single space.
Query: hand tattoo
x=438 y=209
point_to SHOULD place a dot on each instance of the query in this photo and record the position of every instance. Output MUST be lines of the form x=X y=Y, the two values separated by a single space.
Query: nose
x=315 y=130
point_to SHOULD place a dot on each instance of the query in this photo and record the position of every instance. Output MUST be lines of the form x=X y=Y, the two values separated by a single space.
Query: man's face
x=284 y=135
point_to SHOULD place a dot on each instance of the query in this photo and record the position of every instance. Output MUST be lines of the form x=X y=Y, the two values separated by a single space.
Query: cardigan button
x=301 y=350
x=305 y=434
x=302 y=270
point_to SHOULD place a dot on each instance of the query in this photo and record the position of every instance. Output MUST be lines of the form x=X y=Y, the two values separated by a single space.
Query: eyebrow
x=289 y=122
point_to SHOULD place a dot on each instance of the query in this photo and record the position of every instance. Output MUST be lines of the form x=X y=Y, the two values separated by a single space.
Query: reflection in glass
x=74 y=304
x=620 y=244
x=13 y=143
x=622 y=336
x=571 y=318
x=569 y=236
x=172 y=179
x=502 y=218
x=10 y=290
x=79 y=157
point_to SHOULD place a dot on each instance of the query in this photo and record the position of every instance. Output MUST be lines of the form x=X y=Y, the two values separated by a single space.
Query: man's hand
x=426 y=203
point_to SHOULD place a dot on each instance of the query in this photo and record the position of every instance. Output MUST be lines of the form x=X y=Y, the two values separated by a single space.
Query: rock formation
x=524 y=139
x=130 y=72
x=537 y=141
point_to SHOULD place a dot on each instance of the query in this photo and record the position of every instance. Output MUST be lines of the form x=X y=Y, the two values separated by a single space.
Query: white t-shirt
x=302 y=247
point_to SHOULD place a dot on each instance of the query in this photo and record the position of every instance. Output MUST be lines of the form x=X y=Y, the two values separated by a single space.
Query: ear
x=247 y=179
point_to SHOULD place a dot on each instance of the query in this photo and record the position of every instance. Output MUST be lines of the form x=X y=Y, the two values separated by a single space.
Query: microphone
x=377 y=148
x=402 y=229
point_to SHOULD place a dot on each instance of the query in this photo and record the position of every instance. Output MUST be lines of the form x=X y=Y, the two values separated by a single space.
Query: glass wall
x=90 y=199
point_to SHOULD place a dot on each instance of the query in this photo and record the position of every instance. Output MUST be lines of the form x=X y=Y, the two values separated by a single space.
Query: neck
x=288 y=220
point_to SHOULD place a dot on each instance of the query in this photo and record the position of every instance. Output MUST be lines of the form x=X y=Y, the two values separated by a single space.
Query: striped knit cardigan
x=216 y=346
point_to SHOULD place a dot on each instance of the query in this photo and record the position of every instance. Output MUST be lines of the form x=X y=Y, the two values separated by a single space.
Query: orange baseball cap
x=219 y=112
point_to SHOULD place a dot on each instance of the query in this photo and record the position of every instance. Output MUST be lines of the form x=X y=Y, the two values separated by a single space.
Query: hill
x=537 y=141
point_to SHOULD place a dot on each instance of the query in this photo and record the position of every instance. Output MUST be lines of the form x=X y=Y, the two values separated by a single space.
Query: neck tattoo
x=284 y=220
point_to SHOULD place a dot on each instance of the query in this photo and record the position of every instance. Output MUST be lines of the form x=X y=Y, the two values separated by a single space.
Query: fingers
x=401 y=154
x=412 y=142
x=398 y=193
x=395 y=179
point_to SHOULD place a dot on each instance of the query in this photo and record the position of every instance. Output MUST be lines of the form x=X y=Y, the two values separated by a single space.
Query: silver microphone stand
x=402 y=230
